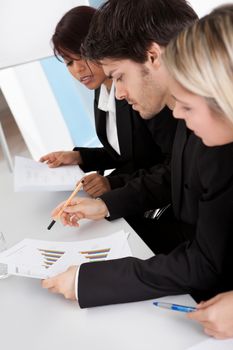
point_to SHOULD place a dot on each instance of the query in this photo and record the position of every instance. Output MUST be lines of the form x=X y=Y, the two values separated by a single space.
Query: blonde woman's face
x=214 y=129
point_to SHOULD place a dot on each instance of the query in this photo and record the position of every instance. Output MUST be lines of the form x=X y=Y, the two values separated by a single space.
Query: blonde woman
x=200 y=62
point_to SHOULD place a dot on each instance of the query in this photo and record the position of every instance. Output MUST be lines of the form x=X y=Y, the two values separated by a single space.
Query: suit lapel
x=100 y=121
x=177 y=164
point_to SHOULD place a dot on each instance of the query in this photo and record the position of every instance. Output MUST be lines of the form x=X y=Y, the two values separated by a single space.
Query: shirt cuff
x=76 y=283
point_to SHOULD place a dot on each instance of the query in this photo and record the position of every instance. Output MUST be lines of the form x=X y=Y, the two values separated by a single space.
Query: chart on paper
x=50 y=257
x=96 y=254
x=42 y=259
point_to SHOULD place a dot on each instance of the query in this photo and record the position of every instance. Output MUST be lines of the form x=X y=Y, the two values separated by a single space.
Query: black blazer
x=136 y=141
x=147 y=188
x=202 y=194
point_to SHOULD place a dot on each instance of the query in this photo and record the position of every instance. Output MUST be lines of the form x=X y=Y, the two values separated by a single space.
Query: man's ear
x=154 y=55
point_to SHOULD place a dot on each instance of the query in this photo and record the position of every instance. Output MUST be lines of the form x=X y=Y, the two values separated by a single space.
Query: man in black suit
x=135 y=34
x=137 y=141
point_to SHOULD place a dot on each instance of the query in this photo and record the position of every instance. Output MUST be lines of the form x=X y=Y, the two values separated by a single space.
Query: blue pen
x=174 y=307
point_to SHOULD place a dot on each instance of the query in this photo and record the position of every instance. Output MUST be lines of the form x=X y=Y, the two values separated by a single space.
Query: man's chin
x=145 y=115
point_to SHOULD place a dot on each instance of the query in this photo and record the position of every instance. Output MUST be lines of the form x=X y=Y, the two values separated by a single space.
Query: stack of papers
x=43 y=259
x=30 y=175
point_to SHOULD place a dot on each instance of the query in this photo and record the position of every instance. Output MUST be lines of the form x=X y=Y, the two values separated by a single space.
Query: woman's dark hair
x=71 y=30
x=125 y=29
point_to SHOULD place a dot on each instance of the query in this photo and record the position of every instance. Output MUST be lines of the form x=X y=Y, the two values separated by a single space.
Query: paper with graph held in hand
x=43 y=259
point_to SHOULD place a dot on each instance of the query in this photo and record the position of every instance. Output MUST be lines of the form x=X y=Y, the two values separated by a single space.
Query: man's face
x=141 y=85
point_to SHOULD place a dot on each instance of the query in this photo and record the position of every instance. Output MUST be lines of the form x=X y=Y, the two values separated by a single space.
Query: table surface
x=32 y=318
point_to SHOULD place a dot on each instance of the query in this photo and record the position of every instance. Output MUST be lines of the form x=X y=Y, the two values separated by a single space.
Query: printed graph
x=50 y=257
x=43 y=259
x=96 y=254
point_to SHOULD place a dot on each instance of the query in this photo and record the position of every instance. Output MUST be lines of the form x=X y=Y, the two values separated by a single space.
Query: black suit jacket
x=137 y=145
x=202 y=191
x=147 y=188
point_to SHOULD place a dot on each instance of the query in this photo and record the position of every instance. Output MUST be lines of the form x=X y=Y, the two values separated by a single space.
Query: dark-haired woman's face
x=88 y=73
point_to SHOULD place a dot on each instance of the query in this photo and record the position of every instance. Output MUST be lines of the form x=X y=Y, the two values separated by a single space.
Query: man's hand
x=95 y=185
x=64 y=283
x=80 y=208
x=216 y=316
x=55 y=159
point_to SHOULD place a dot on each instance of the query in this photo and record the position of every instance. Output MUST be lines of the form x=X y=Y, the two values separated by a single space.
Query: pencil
x=67 y=202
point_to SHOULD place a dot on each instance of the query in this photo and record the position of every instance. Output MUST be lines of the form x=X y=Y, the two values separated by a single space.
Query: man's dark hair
x=125 y=29
x=71 y=30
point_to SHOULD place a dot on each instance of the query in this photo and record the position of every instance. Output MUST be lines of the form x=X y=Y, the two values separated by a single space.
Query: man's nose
x=120 y=93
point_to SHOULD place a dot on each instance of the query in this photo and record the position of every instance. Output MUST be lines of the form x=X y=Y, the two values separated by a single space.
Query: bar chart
x=50 y=257
x=96 y=254
x=44 y=259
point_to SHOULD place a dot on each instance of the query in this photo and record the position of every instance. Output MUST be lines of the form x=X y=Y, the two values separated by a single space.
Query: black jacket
x=202 y=196
x=137 y=143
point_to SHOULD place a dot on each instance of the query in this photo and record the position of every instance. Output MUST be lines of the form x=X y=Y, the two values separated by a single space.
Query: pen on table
x=174 y=307
x=67 y=202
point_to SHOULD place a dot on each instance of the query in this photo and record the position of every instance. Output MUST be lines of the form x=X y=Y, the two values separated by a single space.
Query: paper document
x=30 y=175
x=43 y=259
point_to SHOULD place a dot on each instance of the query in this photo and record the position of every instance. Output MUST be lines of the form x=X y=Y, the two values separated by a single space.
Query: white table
x=32 y=318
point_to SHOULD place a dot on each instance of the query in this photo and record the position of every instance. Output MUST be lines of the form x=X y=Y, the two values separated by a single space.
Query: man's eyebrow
x=110 y=74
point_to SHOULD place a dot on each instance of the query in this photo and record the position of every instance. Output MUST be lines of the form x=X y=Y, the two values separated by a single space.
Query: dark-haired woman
x=129 y=143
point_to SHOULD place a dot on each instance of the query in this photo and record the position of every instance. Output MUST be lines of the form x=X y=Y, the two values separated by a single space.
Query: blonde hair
x=201 y=59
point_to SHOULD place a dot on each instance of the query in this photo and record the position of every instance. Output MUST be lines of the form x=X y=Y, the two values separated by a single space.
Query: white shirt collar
x=107 y=100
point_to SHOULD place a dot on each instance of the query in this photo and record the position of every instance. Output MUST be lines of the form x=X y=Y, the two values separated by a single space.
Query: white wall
x=26 y=27
x=203 y=7
x=35 y=109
